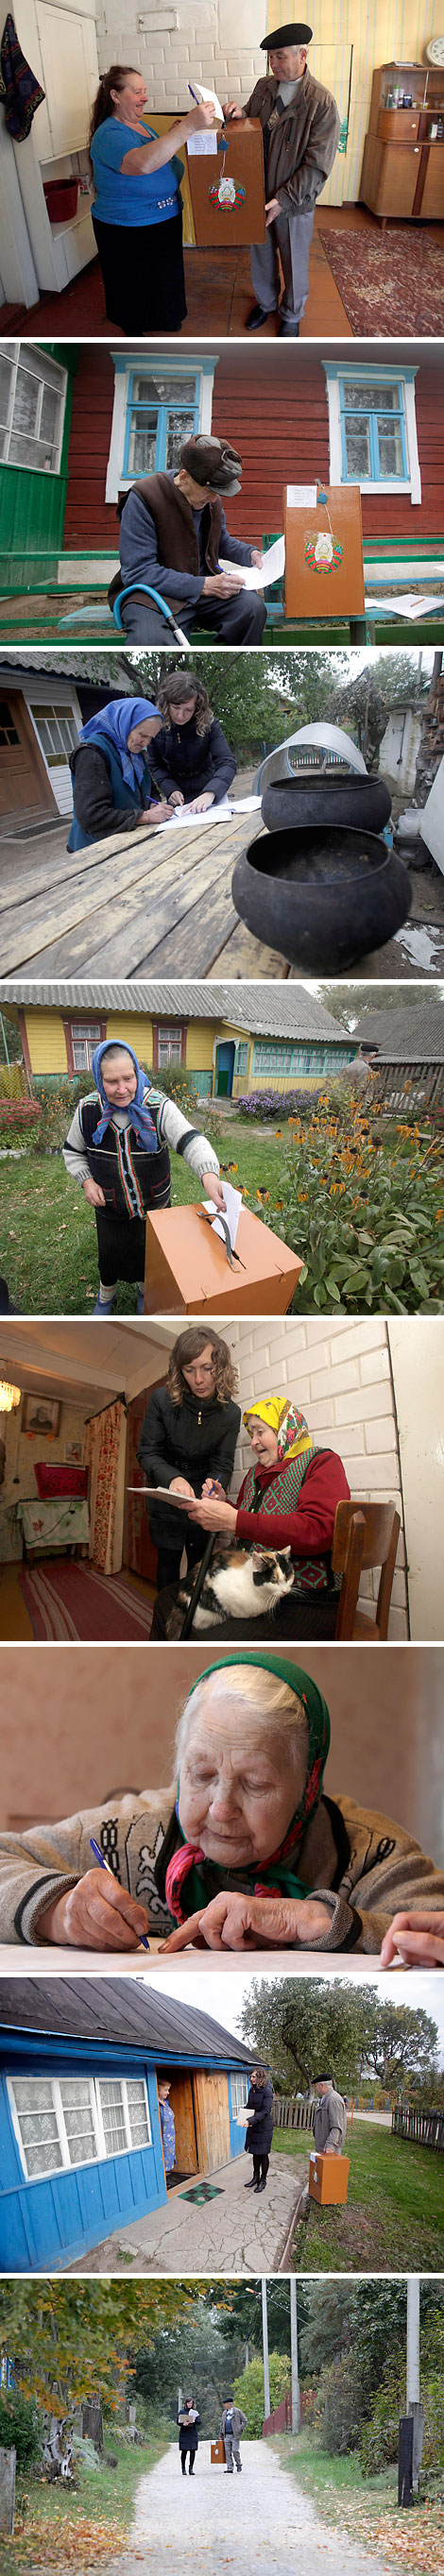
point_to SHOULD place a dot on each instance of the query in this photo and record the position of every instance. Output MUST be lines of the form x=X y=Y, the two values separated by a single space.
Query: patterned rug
x=72 y=1600
x=392 y=283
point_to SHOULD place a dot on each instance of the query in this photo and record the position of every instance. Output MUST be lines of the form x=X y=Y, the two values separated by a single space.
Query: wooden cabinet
x=403 y=165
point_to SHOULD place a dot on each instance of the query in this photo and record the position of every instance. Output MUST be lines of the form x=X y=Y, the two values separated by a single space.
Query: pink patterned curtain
x=105 y=1454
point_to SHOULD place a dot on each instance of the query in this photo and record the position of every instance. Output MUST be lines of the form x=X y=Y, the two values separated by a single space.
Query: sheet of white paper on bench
x=199 y=144
x=271 y=567
x=232 y=1209
x=411 y=604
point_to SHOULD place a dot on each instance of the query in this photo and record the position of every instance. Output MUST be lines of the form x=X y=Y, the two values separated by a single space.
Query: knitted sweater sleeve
x=175 y=1130
x=308 y=1530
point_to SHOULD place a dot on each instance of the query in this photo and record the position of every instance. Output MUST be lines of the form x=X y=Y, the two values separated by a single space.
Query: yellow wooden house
x=230 y=1038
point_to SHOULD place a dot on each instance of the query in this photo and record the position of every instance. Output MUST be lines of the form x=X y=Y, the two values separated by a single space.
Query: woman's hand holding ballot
x=214 y=1188
x=97 y=1914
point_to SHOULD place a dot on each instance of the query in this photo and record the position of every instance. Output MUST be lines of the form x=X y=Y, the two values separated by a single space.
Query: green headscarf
x=191 y=1880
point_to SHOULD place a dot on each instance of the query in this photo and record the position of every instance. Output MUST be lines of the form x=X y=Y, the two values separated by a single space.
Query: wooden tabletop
x=139 y=903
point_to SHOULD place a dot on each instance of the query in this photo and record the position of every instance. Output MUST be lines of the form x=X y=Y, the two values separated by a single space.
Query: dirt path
x=259 y=2521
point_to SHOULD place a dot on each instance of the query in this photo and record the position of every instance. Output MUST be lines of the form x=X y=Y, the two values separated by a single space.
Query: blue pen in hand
x=104 y=1864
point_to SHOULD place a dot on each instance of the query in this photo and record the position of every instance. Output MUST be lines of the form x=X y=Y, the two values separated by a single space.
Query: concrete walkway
x=259 y=2524
x=239 y=2231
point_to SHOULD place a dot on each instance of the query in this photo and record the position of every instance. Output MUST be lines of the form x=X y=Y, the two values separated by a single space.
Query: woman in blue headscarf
x=112 y=780
x=117 y=1150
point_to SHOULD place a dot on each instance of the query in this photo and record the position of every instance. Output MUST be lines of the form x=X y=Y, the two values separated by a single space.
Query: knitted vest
x=177 y=539
x=121 y=794
x=132 y=1179
x=311 y=1573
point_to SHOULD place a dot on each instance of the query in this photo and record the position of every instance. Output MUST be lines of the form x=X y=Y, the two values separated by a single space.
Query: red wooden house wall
x=278 y=417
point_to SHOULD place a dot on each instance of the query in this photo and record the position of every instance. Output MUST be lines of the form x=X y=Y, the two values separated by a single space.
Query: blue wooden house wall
x=48 y=2221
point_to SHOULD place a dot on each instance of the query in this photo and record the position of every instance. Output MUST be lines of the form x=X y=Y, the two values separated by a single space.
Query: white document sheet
x=245 y=804
x=411 y=604
x=203 y=143
x=271 y=568
x=302 y=496
x=213 y=814
x=161 y=1494
x=209 y=98
x=232 y=1209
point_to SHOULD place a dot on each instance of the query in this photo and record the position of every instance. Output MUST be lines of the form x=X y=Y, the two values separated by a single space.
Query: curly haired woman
x=194 y=765
x=188 y=1441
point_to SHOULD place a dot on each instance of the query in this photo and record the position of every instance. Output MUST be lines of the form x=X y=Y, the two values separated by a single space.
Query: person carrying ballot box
x=174 y=540
x=301 y=126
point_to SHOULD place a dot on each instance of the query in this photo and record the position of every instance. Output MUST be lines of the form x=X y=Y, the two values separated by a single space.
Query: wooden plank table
x=143 y=903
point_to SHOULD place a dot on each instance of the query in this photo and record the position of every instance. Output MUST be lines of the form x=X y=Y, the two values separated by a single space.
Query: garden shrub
x=20 y=1122
x=379 y=2438
x=248 y=2391
x=277 y=1105
x=19 y=2428
x=339 y=2405
x=174 y=1080
x=367 y=1220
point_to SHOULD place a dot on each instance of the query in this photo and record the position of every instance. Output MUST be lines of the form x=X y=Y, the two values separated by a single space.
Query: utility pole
x=295 y=2390
x=267 y=2407
x=414 y=2406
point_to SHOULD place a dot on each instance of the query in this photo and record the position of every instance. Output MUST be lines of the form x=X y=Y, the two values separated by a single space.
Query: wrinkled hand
x=213 y=1515
x=95 y=1915
x=200 y=116
x=418 y=1939
x=272 y=209
x=221 y=585
x=156 y=813
x=198 y=804
x=213 y=1486
x=176 y=797
x=233 y=111
x=214 y=1188
x=93 y=1192
x=235 y=1922
x=179 y=1486
x=257 y=558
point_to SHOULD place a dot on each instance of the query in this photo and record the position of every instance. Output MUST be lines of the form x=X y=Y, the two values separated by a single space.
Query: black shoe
x=257 y=317
x=262 y=2186
x=251 y=2185
x=286 y=331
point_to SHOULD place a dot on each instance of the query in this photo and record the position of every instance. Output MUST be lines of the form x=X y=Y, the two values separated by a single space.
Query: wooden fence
x=281 y=2419
x=426 y=2128
x=293 y=2115
x=407 y=1087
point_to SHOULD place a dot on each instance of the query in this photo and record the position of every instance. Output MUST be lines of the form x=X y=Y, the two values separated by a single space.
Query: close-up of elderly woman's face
x=239 y=1781
x=264 y=1441
x=119 y=1077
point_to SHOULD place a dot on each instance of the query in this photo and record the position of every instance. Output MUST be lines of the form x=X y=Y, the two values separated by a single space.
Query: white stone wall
x=339 y=1373
x=210 y=38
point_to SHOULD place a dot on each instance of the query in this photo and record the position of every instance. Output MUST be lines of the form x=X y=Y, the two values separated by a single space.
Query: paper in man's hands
x=231 y=1212
x=271 y=568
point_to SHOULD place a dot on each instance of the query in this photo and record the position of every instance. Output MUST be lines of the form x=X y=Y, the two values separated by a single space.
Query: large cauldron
x=353 y=801
x=322 y=897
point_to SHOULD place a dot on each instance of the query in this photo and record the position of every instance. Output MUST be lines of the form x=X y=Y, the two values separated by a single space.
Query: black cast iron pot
x=352 y=801
x=322 y=898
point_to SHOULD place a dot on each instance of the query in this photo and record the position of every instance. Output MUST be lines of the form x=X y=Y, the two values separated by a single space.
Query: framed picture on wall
x=41 y=1416
x=73 y=1453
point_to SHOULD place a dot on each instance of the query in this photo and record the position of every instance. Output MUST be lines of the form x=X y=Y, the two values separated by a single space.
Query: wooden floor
x=159 y=903
x=218 y=291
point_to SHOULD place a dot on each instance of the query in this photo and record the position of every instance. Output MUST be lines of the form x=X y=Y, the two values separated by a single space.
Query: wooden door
x=139 y=1551
x=398 y=179
x=181 y=2099
x=212 y=2120
x=24 y=784
x=70 y=73
x=432 y=200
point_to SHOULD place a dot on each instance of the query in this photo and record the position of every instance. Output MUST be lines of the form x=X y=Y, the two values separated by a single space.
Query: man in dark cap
x=173 y=534
x=300 y=126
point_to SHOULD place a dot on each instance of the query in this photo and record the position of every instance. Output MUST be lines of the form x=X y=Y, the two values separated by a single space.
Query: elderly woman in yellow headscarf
x=288 y=1499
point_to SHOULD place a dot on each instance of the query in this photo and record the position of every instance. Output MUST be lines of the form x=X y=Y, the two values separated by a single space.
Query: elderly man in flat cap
x=300 y=126
x=173 y=533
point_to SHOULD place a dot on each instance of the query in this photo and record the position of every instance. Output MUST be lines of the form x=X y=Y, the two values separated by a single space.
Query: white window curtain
x=77 y=2119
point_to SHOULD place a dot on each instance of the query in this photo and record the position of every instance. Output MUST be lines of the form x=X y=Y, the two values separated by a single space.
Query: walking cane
x=202 y=1570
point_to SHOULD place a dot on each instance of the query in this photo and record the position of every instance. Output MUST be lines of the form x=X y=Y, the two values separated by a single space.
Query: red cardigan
x=309 y=1529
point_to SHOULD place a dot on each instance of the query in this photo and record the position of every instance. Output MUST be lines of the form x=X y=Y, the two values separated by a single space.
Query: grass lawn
x=58 y=2529
x=48 y=1237
x=366 y=2509
x=394 y=2215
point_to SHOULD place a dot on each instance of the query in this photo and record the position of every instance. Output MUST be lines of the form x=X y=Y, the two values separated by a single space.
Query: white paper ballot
x=245 y=804
x=411 y=604
x=232 y=1209
x=270 y=569
x=213 y=814
x=209 y=97
x=160 y=1494
x=205 y=142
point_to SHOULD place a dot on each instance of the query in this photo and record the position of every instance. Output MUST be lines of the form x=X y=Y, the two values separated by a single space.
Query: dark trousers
x=240 y=620
x=190 y=2454
x=260 y=2168
x=169 y=1559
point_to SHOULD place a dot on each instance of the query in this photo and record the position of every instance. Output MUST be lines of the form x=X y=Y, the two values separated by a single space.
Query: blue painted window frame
x=163 y=415
x=376 y=410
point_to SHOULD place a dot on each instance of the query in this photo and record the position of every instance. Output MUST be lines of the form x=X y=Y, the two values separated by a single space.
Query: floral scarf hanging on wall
x=105 y=1454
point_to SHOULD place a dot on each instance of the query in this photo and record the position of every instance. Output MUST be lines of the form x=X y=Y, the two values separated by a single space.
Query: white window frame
x=103 y=2154
x=372 y=375
x=18 y=349
x=203 y=372
x=238 y=2104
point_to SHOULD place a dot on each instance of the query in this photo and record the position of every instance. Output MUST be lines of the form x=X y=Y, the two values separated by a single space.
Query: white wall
x=339 y=1373
x=417 y=1363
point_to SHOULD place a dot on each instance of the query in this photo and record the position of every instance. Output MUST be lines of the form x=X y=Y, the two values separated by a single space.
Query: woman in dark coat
x=260 y=2130
x=188 y=2422
x=188 y=1441
x=193 y=764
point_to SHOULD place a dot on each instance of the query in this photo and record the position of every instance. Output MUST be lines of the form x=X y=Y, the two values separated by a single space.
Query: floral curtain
x=105 y=1455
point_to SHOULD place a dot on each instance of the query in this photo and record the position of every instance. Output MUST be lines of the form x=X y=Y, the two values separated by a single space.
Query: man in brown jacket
x=300 y=126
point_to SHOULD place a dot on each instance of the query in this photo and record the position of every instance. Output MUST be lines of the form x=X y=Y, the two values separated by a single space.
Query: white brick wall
x=221 y=45
x=339 y=1373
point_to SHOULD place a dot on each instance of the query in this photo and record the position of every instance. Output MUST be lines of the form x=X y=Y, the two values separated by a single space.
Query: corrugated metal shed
x=272 y=1010
x=405 y=1036
x=122 y=2012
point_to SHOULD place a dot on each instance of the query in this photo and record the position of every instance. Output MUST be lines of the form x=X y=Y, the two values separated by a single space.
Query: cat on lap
x=276 y=1574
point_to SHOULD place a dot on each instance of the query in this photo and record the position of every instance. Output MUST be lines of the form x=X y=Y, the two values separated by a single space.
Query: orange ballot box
x=328 y=2179
x=227 y=186
x=324 y=569
x=187 y=1270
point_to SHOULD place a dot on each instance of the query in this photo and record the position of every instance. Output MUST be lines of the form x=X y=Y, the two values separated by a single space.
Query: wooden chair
x=365 y=1534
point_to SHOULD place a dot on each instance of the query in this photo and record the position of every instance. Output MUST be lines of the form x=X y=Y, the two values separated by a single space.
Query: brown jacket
x=177 y=540
x=303 y=143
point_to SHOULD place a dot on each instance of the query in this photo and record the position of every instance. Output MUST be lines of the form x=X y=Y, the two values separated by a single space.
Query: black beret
x=294 y=35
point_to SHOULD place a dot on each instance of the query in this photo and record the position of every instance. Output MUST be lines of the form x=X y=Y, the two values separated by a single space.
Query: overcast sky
x=222 y=1994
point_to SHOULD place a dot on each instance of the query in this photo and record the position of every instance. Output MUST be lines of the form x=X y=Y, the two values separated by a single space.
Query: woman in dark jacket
x=188 y=1440
x=260 y=2130
x=188 y=2421
x=111 y=776
x=193 y=765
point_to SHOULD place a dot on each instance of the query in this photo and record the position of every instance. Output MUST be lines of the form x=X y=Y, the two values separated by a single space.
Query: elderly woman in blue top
x=137 y=215
x=117 y=1150
x=112 y=781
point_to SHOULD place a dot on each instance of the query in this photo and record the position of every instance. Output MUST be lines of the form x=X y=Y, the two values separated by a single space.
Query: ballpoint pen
x=104 y=1864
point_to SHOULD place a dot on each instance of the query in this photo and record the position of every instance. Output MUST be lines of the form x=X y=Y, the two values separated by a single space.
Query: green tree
x=248 y=2391
x=70 y=2339
x=297 y=2027
x=258 y=699
x=402 y=2045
